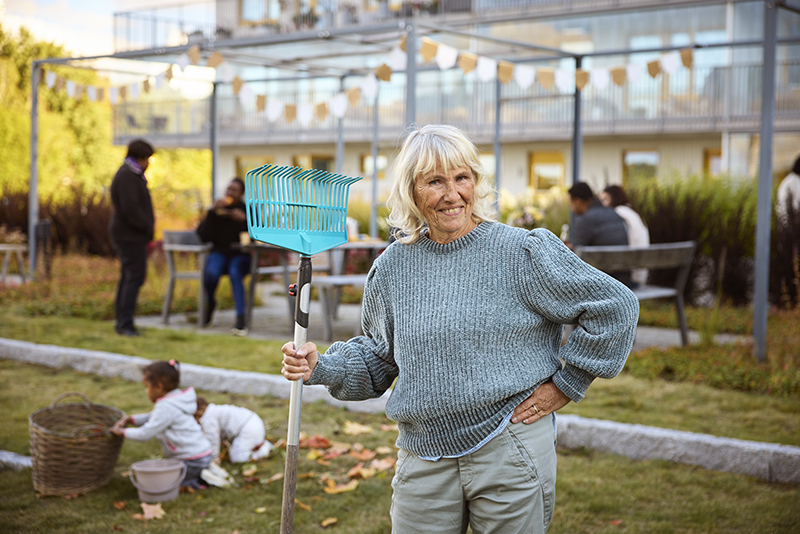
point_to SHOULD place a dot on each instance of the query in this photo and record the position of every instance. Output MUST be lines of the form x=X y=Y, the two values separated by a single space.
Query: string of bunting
x=446 y=57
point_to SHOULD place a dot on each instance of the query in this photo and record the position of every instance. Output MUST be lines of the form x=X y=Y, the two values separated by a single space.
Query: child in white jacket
x=171 y=422
x=240 y=427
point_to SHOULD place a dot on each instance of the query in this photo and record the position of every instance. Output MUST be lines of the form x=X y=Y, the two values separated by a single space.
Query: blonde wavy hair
x=425 y=150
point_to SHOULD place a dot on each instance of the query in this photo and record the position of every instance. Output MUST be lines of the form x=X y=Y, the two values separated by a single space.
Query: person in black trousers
x=131 y=228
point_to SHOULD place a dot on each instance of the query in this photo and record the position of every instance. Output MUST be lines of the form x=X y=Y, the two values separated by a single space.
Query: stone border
x=767 y=461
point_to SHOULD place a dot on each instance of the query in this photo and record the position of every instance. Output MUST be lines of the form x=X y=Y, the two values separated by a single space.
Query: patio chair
x=189 y=243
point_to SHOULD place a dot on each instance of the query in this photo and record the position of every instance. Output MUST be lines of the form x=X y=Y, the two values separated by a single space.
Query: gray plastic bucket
x=158 y=480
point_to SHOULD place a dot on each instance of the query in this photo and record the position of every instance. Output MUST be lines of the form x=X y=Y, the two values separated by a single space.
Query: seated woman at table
x=221 y=226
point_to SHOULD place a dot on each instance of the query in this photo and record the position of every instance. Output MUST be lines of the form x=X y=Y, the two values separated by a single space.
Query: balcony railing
x=703 y=99
x=210 y=20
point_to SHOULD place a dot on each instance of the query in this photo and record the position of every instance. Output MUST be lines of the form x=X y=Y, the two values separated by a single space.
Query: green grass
x=594 y=490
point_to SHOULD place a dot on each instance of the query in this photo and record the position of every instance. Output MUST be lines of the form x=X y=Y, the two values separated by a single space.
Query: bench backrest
x=659 y=256
x=185 y=237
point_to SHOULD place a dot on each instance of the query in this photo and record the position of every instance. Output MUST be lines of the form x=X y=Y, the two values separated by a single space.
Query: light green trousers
x=508 y=486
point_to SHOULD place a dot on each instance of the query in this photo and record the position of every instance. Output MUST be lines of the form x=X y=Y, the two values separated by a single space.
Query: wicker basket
x=72 y=448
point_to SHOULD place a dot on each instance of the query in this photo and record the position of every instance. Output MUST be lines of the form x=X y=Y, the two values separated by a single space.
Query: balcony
x=708 y=99
x=222 y=20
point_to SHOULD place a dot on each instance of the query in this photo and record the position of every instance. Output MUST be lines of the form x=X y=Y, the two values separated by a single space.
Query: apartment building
x=699 y=119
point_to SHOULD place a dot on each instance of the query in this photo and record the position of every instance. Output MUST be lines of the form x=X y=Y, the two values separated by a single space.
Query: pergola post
x=214 y=141
x=33 y=189
x=411 y=74
x=577 y=133
x=340 y=136
x=764 y=206
x=373 y=212
x=497 y=146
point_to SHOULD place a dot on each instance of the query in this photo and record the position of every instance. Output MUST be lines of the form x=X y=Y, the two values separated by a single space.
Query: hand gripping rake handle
x=303 y=290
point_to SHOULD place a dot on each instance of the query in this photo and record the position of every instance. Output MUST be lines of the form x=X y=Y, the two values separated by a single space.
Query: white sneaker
x=217 y=476
x=241 y=332
x=262 y=451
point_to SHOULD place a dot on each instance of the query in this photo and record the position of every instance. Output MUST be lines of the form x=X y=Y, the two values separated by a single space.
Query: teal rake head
x=300 y=210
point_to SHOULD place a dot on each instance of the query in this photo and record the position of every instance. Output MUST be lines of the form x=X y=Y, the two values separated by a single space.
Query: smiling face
x=445 y=199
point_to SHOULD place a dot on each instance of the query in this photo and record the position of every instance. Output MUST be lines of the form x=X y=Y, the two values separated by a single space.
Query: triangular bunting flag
x=397 y=59
x=546 y=77
x=261 y=103
x=160 y=79
x=289 y=113
x=428 y=49
x=168 y=73
x=369 y=86
x=687 y=57
x=133 y=91
x=384 y=73
x=446 y=57
x=505 y=71
x=91 y=93
x=100 y=94
x=338 y=105
x=215 y=60
x=194 y=54
x=78 y=91
x=619 y=75
x=467 y=61
x=402 y=43
x=635 y=72
x=59 y=83
x=305 y=112
x=600 y=79
x=524 y=75
x=486 y=69
x=654 y=68
x=274 y=110
x=183 y=62
x=237 y=85
x=581 y=78
x=321 y=111
x=70 y=88
x=564 y=79
x=146 y=85
x=354 y=96
x=226 y=72
x=112 y=95
x=50 y=79
x=123 y=93
x=671 y=62
x=245 y=94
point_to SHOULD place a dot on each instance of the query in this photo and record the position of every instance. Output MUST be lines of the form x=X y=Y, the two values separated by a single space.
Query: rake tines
x=301 y=210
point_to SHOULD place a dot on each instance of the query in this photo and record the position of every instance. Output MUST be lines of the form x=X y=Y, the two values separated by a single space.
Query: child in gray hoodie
x=172 y=421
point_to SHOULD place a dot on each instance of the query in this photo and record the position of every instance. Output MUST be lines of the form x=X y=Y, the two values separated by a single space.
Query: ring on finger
x=536 y=409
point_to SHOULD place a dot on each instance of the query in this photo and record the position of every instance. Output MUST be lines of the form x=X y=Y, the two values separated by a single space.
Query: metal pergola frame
x=769 y=44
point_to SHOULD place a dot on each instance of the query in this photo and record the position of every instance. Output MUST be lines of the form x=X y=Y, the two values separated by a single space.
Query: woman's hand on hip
x=545 y=400
x=299 y=364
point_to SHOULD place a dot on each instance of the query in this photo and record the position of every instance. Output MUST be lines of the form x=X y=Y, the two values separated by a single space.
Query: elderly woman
x=467 y=315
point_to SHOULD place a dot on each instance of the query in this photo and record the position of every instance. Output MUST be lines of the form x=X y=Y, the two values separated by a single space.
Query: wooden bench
x=660 y=256
x=9 y=250
x=329 y=288
x=182 y=243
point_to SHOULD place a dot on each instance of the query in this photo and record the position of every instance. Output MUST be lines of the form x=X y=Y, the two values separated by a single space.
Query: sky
x=84 y=27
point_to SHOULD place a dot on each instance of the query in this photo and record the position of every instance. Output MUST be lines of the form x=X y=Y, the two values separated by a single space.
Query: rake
x=304 y=211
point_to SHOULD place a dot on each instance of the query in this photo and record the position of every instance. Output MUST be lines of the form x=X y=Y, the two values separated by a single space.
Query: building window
x=639 y=165
x=248 y=163
x=256 y=12
x=546 y=170
x=712 y=161
x=310 y=161
x=367 y=168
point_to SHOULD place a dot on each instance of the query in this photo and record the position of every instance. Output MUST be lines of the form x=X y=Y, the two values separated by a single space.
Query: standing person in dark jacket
x=596 y=225
x=222 y=225
x=131 y=229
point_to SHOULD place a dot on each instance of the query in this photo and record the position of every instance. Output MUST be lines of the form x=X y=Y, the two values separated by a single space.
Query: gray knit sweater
x=471 y=328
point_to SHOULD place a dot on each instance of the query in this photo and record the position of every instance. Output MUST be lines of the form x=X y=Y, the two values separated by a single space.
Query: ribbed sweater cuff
x=573 y=382
x=328 y=371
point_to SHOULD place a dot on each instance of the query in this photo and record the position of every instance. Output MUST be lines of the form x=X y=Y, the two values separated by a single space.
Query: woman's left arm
x=565 y=289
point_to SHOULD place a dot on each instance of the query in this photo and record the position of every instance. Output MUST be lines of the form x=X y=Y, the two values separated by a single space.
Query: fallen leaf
x=140 y=517
x=336 y=449
x=364 y=455
x=249 y=470
x=341 y=488
x=323 y=462
x=358 y=447
x=125 y=474
x=616 y=522
x=390 y=428
x=118 y=529
x=384 y=464
x=186 y=489
x=260 y=510
x=313 y=454
x=153 y=511
x=302 y=505
x=359 y=471
x=328 y=521
x=273 y=478
x=120 y=505
x=383 y=450
x=354 y=429
x=235 y=531
x=315 y=442
x=72 y=496
x=280 y=444
x=310 y=474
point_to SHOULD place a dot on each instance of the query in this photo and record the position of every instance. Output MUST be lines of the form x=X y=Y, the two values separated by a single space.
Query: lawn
x=596 y=492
